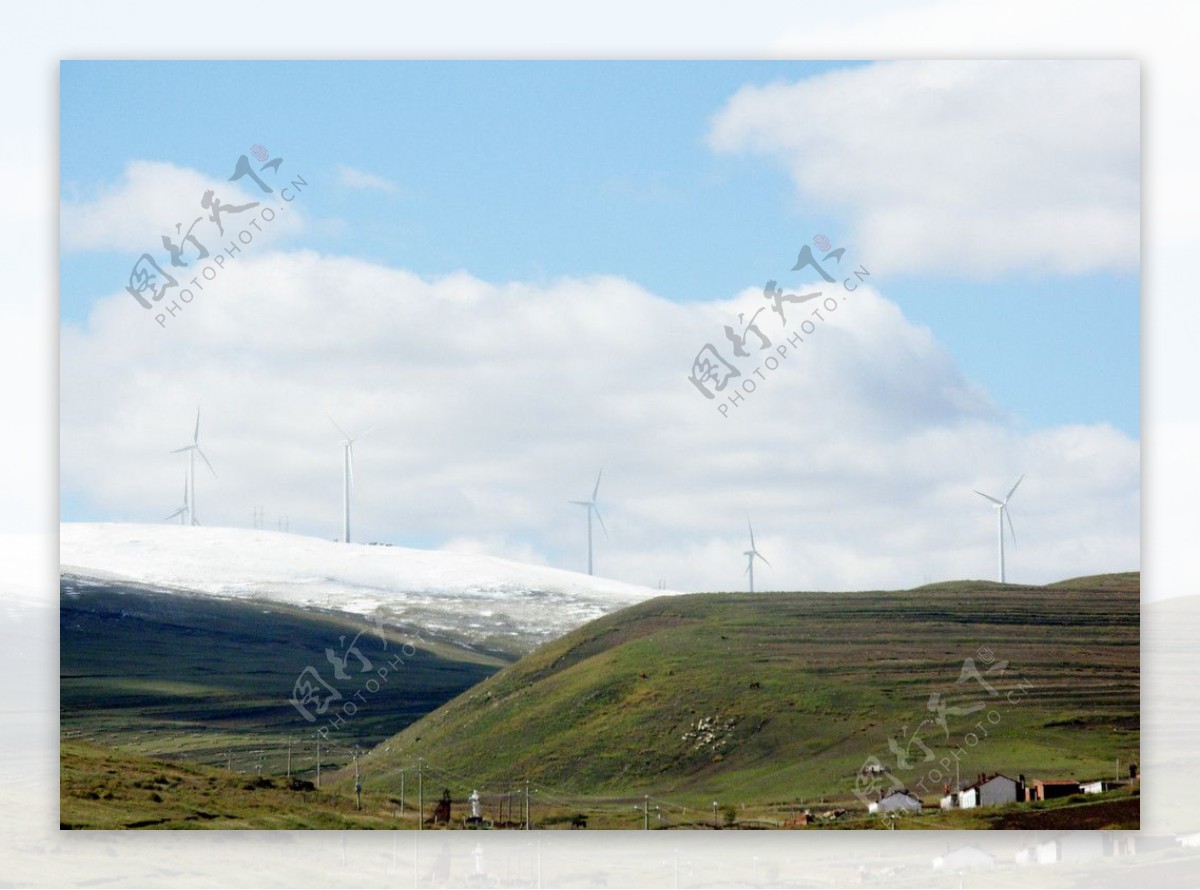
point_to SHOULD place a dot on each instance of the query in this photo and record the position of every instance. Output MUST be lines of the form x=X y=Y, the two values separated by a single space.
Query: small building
x=898 y=799
x=1099 y=786
x=963 y=799
x=986 y=791
x=999 y=790
x=1049 y=789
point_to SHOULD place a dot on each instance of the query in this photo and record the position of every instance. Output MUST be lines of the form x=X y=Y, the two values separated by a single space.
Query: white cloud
x=495 y=404
x=969 y=168
x=352 y=177
x=153 y=199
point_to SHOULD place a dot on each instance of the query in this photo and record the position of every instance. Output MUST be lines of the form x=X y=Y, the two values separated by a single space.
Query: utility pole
x=318 y=761
x=646 y=812
x=289 y=762
x=420 y=793
x=527 y=805
x=228 y=761
x=401 y=792
x=715 y=815
x=357 y=783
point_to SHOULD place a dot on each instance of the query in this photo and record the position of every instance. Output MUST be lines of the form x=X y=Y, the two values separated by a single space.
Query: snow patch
x=469 y=595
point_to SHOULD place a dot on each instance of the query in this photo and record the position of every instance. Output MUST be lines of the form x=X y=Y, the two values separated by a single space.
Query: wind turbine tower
x=1001 y=507
x=347 y=476
x=591 y=508
x=751 y=554
x=182 y=511
x=192 y=450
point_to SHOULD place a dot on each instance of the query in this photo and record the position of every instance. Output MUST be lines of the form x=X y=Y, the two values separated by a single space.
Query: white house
x=987 y=792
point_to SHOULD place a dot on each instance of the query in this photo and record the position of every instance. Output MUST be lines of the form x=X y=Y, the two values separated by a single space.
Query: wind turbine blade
x=601 y=518
x=339 y=429
x=196 y=434
x=1008 y=516
x=1014 y=488
x=173 y=515
x=596 y=490
x=365 y=432
x=183 y=449
x=989 y=497
x=760 y=556
x=749 y=526
x=205 y=459
x=581 y=503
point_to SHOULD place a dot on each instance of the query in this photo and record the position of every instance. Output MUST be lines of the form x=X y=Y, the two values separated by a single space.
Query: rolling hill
x=780 y=698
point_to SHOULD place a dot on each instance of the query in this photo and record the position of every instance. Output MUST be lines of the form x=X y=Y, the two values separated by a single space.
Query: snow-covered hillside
x=475 y=599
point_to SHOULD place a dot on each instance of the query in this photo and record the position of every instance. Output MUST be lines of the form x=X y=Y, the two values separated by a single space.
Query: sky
x=505 y=271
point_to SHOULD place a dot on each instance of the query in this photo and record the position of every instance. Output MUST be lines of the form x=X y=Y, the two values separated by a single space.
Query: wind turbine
x=1001 y=507
x=182 y=511
x=591 y=508
x=192 y=451
x=750 y=554
x=347 y=476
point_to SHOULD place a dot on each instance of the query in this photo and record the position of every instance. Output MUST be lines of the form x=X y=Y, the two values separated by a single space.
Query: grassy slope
x=176 y=675
x=105 y=789
x=102 y=788
x=803 y=687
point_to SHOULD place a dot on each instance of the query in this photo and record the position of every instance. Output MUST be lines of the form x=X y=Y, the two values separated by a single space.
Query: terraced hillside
x=786 y=697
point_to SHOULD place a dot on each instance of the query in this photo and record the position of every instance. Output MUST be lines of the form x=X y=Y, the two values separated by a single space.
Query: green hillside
x=209 y=680
x=776 y=698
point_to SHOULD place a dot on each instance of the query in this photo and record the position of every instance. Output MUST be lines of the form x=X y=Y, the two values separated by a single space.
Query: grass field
x=103 y=788
x=776 y=701
x=769 y=704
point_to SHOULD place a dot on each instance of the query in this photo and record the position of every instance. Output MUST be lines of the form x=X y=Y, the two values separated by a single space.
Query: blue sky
x=531 y=171
x=637 y=207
